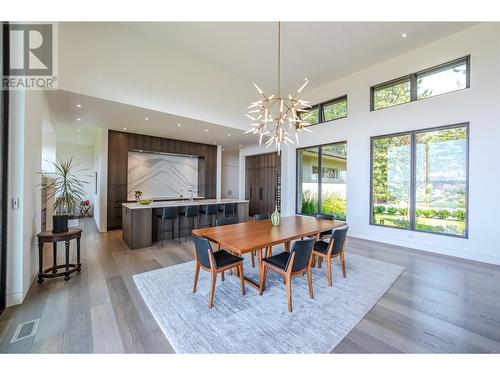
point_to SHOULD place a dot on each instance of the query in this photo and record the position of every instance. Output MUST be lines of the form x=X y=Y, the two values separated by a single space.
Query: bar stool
x=210 y=210
x=228 y=210
x=190 y=212
x=170 y=213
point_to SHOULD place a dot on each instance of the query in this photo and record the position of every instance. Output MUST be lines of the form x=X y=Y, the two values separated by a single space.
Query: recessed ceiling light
x=179 y=125
x=228 y=134
x=124 y=128
x=206 y=130
x=78 y=106
x=404 y=35
x=78 y=119
x=222 y=149
x=146 y=118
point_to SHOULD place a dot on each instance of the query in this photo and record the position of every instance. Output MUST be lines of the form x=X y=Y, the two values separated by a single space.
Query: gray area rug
x=262 y=324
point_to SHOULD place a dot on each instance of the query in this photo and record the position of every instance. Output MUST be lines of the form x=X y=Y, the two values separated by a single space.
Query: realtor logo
x=32 y=59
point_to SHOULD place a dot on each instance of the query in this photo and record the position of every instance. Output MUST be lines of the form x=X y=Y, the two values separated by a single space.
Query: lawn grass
x=425 y=224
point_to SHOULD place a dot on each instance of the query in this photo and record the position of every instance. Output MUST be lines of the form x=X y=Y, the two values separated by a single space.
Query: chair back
x=258 y=217
x=302 y=250
x=323 y=217
x=212 y=209
x=169 y=213
x=202 y=248
x=191 y=211
x=338 y=237
x=229 y=209
x=226 y=221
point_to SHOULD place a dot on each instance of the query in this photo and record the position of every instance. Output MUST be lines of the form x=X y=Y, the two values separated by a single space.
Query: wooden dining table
x=251 y=236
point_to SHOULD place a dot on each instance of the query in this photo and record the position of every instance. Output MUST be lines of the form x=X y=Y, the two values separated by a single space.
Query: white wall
x=478 y=105
x=101 y=166
x=230 y=174
x=83 y=155
x=27 y=113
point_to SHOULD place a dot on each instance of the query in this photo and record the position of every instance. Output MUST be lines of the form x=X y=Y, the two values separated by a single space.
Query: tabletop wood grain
x=253 y=235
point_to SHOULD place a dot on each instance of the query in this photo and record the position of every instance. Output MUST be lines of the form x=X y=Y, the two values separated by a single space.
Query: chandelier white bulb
x=278 y=117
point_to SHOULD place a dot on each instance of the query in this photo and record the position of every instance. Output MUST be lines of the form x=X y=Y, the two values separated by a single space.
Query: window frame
x=320 y=175
x=413 y=77
x=321 y=114
x=413 y=174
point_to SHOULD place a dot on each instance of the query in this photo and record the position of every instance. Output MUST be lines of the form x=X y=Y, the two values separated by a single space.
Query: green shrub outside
x=392 y=210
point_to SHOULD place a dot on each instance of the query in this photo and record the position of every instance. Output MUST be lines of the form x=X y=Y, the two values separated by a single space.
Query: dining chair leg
x=289 y=292
x=242 y=280
x=222 y=276
x=262 y=281
x=212 y=289
x=313 y=261
x=196 y=273
x=320 y=260
x=253 y=259
x=328 y=262
x=310 y=281
x=342 y=262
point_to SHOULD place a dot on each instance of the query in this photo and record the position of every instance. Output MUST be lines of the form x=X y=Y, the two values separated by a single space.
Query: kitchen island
x=137 y=219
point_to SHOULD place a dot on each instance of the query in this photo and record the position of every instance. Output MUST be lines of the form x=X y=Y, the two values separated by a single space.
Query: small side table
x=54 y=238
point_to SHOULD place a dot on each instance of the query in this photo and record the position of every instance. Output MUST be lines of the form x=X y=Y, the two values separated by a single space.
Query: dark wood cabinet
x=119 y=144
x=262 y=182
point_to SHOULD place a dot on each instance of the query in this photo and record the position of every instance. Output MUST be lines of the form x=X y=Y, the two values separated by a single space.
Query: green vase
x=275 y=217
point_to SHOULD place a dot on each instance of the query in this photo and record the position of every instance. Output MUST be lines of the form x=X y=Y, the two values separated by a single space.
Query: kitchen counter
x=140 y=222
x=181 y=203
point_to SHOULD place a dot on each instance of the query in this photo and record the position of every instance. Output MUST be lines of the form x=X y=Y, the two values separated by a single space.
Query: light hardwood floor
x=438 y=305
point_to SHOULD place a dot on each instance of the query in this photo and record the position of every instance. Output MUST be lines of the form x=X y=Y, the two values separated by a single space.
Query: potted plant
x=66 y=188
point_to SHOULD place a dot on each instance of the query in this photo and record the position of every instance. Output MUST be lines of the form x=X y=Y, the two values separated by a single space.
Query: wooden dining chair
x=214 y=263
x=289 y=264
x=327 y=233
x=328 y=250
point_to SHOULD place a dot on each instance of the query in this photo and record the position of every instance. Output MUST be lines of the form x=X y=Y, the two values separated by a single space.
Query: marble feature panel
x=161 y=176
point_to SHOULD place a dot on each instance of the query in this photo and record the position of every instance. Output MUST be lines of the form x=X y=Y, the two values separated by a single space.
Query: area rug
x=262 y=324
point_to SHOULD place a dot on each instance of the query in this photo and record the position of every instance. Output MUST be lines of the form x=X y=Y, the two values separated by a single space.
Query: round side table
x=54 y=238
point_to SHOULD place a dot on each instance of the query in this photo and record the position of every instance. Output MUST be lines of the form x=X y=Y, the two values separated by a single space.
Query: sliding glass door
x=322 y=180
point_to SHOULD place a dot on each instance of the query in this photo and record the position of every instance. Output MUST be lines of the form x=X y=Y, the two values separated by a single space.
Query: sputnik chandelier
x=278 y=117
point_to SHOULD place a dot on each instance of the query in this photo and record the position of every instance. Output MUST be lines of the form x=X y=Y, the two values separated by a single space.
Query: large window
x=419 y=180
x=322 y=179
x=334 y=109
x=448 y=77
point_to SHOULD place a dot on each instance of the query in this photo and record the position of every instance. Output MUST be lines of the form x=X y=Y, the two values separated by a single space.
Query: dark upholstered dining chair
x=324 y=217
x=332 y=249
x=220 y=221
x=258 y=217
x=214 y=263
x=289 y=264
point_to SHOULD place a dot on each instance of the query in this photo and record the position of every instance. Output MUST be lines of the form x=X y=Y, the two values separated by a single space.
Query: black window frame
x=320 y=174
x=413 y=77
x=413 y=172
x=321 y=114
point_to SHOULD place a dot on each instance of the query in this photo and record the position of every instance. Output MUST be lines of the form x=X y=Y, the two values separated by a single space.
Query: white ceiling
x=200 y=74
x=320 y=51
x=97 y=113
